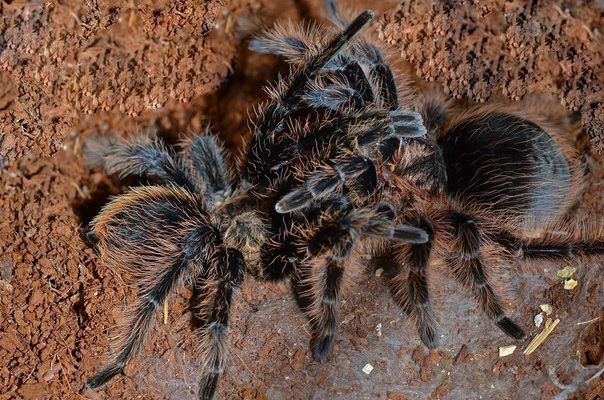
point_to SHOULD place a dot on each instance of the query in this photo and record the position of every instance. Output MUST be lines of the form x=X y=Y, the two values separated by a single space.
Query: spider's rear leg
x=469 y=268
x=321 y=281
x=216 y=287
x=410 y=291
x=131 y=234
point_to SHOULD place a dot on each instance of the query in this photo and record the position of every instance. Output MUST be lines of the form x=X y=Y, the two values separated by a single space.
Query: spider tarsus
x=429 y=337
x=103 y=377
x=91 y=238
x=207 y=386
x=322 y=347
x=410 y=234
x=510 y=328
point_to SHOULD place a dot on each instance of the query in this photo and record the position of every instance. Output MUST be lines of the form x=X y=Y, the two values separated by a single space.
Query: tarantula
x=339 y=168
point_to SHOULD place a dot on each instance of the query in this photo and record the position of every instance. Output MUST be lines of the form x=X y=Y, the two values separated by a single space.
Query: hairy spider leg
x=409 y=286
x=468 y=267
x=143 y=156
x=208 y=160
x=127 y=232
x=318 y=289
x=227 y=272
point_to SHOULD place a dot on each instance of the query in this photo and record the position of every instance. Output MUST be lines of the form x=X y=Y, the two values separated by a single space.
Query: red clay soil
x=483 y=48
x=121 y=67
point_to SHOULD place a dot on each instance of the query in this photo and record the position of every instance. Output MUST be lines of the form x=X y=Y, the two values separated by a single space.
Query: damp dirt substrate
x=176 y=66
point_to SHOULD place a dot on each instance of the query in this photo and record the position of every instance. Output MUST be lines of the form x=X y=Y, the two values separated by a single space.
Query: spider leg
x=469 y=269
x=320 y=282
x=328 y=180
x=142 y=155
x=131 y=235
x=380 y=73
x=323 y=312
x=267 y=145
x=571 y=241
x=294 y=42
x=410 y=291
x=217 y=286
x=138 y=326
x=297 y=83
x=208 y=160
x=324 y=183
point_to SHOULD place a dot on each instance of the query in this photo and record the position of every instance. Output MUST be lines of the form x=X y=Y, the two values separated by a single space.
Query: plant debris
x=566 y=272
x=166 y=306
x=538 y=320
x=570 y=284
x=540 y=338
x=547 y=309
x=507 y=350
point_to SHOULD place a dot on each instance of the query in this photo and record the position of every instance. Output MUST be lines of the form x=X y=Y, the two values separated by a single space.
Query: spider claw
x=322 y=347
x=510 y=328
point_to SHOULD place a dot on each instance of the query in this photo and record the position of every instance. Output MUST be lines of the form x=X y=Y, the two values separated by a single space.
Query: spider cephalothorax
x=339 y=168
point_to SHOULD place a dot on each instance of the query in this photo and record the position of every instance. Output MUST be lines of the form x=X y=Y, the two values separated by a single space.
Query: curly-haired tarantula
x=338 y=169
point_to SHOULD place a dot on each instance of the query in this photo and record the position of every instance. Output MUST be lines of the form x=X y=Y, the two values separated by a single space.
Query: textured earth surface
x=74 y=68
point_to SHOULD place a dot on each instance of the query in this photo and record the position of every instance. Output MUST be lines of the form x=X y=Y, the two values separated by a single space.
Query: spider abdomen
x=508 y=165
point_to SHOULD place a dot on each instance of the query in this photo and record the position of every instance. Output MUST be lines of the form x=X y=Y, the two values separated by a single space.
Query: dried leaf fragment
x=507 y=350
x=546 y=308
x=566 y=272
x=570 y=284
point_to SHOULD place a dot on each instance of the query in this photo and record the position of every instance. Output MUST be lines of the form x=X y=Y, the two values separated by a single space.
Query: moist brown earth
x=84 y=68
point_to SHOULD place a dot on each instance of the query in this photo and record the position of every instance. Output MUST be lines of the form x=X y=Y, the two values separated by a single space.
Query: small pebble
x=379 y=271
x=368 y=368
x=378 y=329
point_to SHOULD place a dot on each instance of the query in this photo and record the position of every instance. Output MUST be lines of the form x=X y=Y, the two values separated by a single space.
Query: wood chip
x=507 y=350
x=570 y=284
x=540 y=338
x=566 y=272
x=368 y=368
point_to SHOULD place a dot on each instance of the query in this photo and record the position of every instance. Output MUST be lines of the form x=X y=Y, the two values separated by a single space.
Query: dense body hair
x=344 y=163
